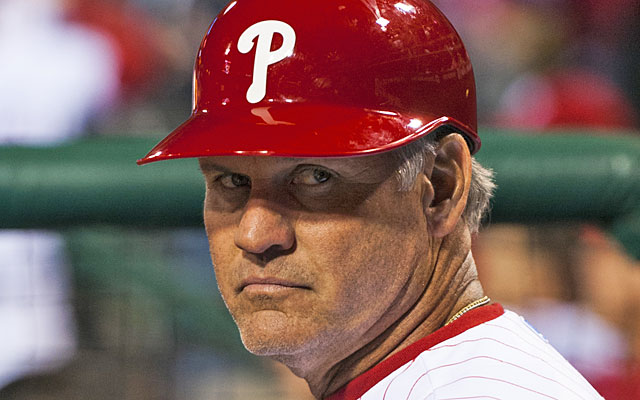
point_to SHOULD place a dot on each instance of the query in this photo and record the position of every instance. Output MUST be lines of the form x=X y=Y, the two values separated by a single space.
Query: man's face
x=314 y=256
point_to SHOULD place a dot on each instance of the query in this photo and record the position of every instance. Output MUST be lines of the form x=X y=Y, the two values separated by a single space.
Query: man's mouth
x=269 y=285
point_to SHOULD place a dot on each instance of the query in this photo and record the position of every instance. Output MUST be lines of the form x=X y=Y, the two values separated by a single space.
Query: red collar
x=359 y=386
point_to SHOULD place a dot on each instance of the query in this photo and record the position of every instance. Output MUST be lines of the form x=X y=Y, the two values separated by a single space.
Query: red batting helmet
x=322 y=78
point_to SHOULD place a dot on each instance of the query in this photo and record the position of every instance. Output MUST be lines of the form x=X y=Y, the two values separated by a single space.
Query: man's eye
x=233 y=181
x=312 y=176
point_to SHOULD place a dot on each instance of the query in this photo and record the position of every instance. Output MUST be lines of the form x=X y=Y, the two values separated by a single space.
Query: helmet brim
x=299 y=130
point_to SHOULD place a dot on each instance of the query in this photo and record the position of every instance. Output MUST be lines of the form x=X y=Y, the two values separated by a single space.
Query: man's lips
x=269 y=285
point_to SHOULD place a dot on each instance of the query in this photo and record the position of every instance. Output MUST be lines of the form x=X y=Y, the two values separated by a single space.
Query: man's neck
x=452 y=286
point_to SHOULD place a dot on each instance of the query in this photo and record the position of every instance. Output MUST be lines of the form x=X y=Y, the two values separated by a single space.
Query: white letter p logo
x=264 y=56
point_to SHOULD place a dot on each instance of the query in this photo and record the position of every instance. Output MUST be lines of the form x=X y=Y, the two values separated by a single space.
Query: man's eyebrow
x=206 y=166
x=210 y=167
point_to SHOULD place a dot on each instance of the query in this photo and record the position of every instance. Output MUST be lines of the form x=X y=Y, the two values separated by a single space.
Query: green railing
x=559 y=177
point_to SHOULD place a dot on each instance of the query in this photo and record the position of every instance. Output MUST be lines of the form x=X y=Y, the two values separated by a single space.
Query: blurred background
x=109 y=311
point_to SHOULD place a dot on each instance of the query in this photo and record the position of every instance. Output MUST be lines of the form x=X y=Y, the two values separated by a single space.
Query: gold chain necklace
x=469 y=307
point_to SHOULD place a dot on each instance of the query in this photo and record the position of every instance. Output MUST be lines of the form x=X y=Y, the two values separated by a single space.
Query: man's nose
x=262 y=228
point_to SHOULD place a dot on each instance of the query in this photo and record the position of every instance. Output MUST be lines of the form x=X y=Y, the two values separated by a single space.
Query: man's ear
x=450 y=178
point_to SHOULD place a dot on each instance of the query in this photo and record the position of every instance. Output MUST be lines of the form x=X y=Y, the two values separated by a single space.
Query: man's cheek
x=333 y=235
x=221 y=241
x=221 y=257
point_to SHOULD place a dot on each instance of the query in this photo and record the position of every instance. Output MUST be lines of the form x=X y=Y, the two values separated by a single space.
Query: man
x=335 y=139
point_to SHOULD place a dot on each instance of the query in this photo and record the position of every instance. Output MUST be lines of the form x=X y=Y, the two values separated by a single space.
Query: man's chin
x=272 y=344
x=273 y=335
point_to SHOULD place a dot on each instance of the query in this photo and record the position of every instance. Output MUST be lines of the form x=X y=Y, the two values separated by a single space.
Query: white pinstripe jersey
x=488 y=353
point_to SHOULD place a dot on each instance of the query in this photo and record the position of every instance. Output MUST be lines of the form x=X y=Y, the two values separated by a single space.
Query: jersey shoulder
x=504 y=358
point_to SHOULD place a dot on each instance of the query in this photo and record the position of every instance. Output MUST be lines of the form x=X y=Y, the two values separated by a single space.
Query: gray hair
x=412 y=159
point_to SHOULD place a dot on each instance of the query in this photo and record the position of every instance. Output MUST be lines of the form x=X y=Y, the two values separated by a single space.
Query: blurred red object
x=133 y=32
x=565 y=99
x=605 y=15
x=619 y=387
